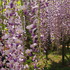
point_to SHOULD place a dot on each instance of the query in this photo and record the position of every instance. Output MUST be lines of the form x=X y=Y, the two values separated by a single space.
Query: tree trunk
x=63 y=54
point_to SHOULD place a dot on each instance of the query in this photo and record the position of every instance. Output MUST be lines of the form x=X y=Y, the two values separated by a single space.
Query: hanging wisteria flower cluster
x=26 y=29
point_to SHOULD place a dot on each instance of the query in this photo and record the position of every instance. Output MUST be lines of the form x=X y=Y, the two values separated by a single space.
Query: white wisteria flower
x=30 y=26
x=5 y=36
x=28 y=51
x=33 y=45
x=26 y=66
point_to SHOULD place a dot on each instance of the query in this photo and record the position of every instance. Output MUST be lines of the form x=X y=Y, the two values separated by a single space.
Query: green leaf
x=2 y=17
x=19 y=3
x=1 y=2
x=29 y=61
x=3 y=26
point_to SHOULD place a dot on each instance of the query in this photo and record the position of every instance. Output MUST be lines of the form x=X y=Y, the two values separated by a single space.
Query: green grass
x=54 y=62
